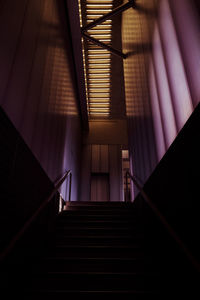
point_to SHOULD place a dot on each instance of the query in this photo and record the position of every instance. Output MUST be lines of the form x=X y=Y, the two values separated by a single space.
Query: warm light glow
x=99 y=100
x=95 y=11
x=99 y=75
x=99 y=80
x=99 y=105
x=99 y=113
x=98 y=70
x=105 y=26
x=101 y=36
x=93 y=31
x=97 y=51
x=99 y=55
x=99 y=94
x=89 y=17
x=99 y=90
x=102 y=1
x=105 y=40
x=94 y=65
x=102 y=85
x=98 y=5
x=98 y=60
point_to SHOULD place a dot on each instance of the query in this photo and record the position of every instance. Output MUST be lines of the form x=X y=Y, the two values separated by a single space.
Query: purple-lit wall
x=174 y=69
x=136 y=37
x=162 y=76
x=37 y=83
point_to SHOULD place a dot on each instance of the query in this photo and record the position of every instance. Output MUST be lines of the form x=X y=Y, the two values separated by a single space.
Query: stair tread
x=94 y=258
x=103 y=273
x=95 y=291
x=97 y=250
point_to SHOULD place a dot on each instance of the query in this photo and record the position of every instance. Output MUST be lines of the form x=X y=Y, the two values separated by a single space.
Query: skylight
x=97 y=61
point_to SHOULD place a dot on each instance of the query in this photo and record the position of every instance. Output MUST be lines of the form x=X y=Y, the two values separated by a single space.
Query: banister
x=163 y=220
x=27 y=224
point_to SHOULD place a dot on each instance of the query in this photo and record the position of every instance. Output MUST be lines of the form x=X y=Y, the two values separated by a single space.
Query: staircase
x=98 y=251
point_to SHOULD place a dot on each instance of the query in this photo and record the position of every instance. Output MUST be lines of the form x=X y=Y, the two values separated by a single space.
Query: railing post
x=126 y=193
x=70 y=186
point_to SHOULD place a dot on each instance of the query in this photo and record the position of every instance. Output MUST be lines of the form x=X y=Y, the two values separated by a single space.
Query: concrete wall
x=136 y=36
x=174 y=83
x=37 y=83
x=174 y=69
x=161 y=76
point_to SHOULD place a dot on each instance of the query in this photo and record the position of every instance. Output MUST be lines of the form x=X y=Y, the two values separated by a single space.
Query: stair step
x=97 y=281
x=89 y=295
x=95 y=223
x=86 y=211
x=100 y=203
x=96 y=264
x=97 y=240
x=97 y=251
x=100 y=207
x=96 y=231
x=81 y=216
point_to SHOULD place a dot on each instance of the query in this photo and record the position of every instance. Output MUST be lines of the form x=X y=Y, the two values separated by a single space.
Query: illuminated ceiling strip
x=99 y=110
x=99 y=54
x=102 y=1
x=100 y=102
x=98 y=91
x=95 y=105
x=106 y=99
x=119 y=9
x=99 y=65
x=99 y=85
x=98 y=6
x=100 y=31
x=98 y=50
x=99 y=60
x=98 y=11
x=96 y=80
x=83 y=53
x=98 y=114
x=96 y=76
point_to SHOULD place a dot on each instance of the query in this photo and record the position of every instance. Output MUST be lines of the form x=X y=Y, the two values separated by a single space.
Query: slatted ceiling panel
x=98 y=60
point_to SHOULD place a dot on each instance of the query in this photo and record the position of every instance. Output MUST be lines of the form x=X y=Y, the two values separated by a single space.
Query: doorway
x=100 y=190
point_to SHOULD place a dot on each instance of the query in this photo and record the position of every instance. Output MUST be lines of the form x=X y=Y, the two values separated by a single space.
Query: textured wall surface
x=37 y=89
x=174 y=69
x=161 y=76
x=136 y=36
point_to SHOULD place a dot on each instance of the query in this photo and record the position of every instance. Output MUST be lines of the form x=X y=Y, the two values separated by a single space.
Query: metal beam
x=109 y=15
x=97 y=42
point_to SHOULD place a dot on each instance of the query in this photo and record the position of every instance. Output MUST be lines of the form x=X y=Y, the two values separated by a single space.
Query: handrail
x=163 y=220
x=20 y=233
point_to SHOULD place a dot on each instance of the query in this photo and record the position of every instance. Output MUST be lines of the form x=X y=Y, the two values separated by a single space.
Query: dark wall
x=174 y=188
x=24 y=184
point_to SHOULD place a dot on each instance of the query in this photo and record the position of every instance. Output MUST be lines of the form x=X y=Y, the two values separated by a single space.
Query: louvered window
x=97 y=61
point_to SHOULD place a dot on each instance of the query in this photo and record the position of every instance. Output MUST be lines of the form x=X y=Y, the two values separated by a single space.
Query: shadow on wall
x=137 y=31
x=143 y=9
x=174 y=75
x=137 y=48
x=162 y=84
x=38 y=86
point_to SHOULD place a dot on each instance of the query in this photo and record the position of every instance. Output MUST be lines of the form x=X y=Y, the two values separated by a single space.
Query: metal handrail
x=27 y=224
x=163 y=220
